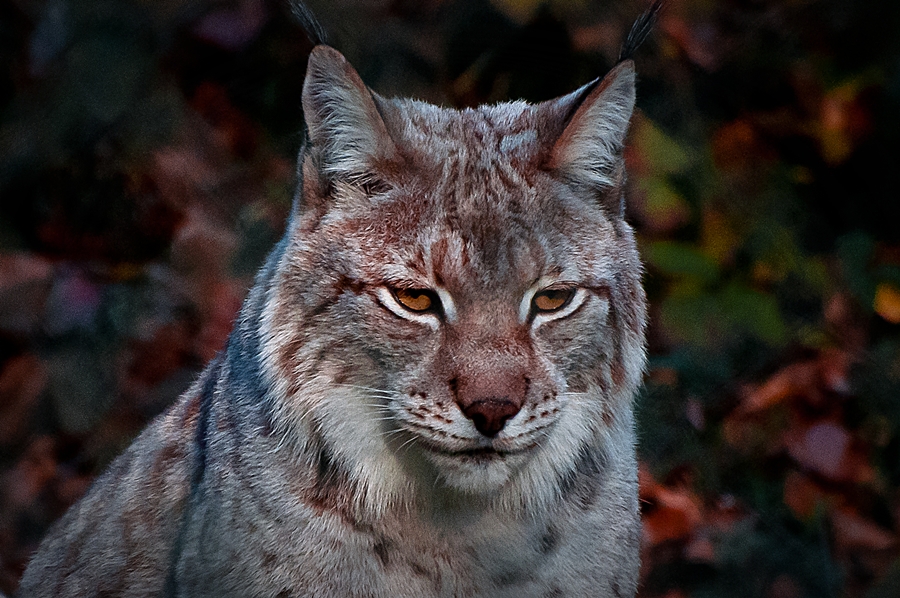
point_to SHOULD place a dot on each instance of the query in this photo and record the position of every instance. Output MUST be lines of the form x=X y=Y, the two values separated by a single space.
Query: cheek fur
x=580 y=347
x=373 y=333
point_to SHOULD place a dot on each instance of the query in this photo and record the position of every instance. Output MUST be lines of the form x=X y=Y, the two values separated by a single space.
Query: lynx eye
x=415 y=299
x=552 y=299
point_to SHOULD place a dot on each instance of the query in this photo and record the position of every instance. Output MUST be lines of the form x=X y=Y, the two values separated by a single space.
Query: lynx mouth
x=482 y=453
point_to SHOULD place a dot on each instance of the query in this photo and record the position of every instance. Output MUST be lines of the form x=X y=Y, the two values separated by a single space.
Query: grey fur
x=326 y=453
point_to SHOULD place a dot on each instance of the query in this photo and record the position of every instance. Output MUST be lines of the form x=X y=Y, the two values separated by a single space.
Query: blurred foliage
x=146 y=166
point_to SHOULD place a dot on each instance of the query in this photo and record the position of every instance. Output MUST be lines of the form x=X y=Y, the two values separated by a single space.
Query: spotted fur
x=347 y=445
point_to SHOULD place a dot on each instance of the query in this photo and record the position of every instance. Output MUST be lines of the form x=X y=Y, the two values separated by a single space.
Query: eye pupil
x=414 y=299
x=552 y=299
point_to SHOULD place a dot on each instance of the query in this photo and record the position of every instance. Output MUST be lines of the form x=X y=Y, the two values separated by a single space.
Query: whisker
x=406 y=444
x=367 y=389
x=379 y=406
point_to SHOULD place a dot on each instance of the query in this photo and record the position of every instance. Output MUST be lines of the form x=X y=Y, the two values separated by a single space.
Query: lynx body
x=429 y=389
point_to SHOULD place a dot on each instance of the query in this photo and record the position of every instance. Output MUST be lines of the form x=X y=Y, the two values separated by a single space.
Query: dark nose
x=490 y=415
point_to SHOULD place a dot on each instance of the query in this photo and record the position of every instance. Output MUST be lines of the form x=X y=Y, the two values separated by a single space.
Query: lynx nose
x=490 y=415
x=490 y=399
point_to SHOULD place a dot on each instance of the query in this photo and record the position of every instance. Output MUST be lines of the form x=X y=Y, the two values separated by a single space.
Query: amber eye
x=415 y=299
x=552 y=299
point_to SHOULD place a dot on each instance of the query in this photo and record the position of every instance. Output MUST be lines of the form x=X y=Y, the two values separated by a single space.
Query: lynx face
x=459 y=302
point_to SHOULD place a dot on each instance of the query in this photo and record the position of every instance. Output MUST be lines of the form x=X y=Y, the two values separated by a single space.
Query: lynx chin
x=429 y=389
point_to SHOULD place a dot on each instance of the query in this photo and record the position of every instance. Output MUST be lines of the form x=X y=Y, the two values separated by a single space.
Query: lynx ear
x=589 y=149
x=342 y=119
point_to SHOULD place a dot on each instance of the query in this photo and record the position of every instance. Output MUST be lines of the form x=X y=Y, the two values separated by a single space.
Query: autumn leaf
x=805 y=380
x=719 y=239
x=520 y=11
x=827 y=448
x=842 y=121
x=22 y=379
x=671 y=513
x=853 y=531
x=736 y=145
x=797 y=379
x=887 y=302
x=802 y=495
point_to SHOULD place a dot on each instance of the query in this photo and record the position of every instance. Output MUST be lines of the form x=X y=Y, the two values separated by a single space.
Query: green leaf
x=681 y=260
x=661 y=152
x=714 y=319
x=855 y=251
x=753 y=312
x=665 y=208
x=694 y=318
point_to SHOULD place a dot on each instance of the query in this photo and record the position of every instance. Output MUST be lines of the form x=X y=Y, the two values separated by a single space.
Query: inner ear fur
x=593 y=123
x=342 y=119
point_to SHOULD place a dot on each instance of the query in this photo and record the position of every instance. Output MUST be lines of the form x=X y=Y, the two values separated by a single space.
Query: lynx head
x=458 y=302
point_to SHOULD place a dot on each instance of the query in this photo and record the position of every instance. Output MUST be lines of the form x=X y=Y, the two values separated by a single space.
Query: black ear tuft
x=311 y=25
x=640 y=30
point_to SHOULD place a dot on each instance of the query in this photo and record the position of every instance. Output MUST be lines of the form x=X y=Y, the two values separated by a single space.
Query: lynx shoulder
x=429 y=389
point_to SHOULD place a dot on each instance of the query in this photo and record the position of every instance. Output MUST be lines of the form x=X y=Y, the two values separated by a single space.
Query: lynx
x=429 y=389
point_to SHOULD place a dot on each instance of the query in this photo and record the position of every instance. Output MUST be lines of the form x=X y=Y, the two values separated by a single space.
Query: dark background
x=146 y=166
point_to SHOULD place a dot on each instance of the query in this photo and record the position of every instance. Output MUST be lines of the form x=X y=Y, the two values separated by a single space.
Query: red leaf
x=802 y=495
x=672 y=514
x=853 y=531
x=798 y=379
x=21 y=381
